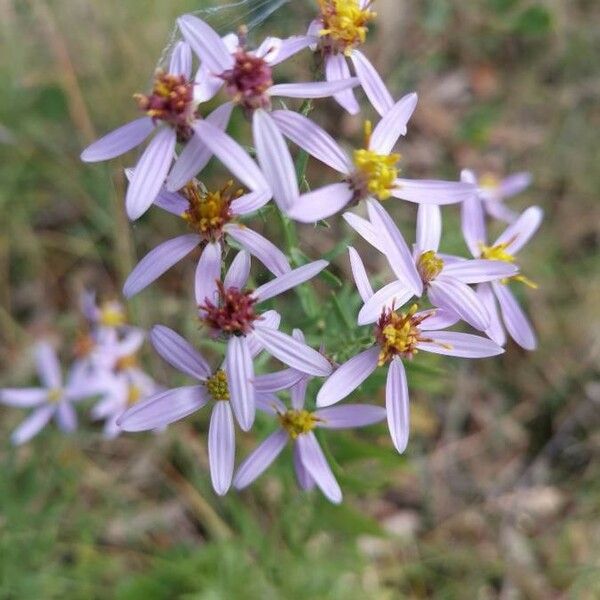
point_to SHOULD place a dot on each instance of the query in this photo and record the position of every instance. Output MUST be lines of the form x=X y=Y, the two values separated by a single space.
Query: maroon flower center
x=248 y=80
x=233 y=313
x=171 y=101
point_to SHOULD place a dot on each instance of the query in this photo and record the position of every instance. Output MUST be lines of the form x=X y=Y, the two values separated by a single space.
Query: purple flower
x=297 y=425
x=54 y=399
x=514 y=237
x=171 y=111
x=493 y=191
x=399 y=336
x=370 y=172
x=443 y=278
x=167 y=407
x=212 y=218
x=230 y=312
x=336 y=34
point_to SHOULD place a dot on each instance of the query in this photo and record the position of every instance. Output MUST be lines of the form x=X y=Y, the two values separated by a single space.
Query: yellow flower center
x=430 y=265
x=398 y=334
x=217 y=386
x=208 y=211
x=345 y=23
x=498 y=252
x=489 y=181
x=134 y=394
x=126 y=362
x=112 y=315
x=55 y=395
x=297 y=422
x=376 y=173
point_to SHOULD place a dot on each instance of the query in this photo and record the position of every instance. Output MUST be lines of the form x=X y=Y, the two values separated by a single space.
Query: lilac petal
x=397 y=406
x=23 y=397
x=321 y=203
x=158 y=261
x=119 y=141
x=164 y=408
x=179 y=353
x=360 y=275
x=463 y=345
x=270 y=404
x=196 y=153
x=206 y=85
x=397 y=253
x=260 y=459
x=275 y=382
x=473 y=224
x=291 y=46
x=458 y=297
x=517 y=324
x=260 y=247
x=221 y=447
x=269 y=49
x=312 y=89
x=291 y=352
x=181 y=60
x=305 y=481
x=432 y=191
x=313 y=459
x=171 y=202
x=47 y=365
x=497 y=210
x=240 y=377
x=522 y=230
x=232 y=155
x=32 y=425
x=364 y=228
x=313 y=139
x=269 y=319
x=150 y=172
x=347 y=377
x=206 y=43
x=298 y=394
x=390 y=297
x=250 y=202
x=372 y=84
x=429 y=227
x=336 y=69
x=437 y=318
x=349 y=415
x=130 y=342
x=393 y=124
x=274 y=159
x=239 y=271
x=208 y=273
x=479 y=270
x=65 y=416
x=514 y=184
x=495 y=331
x=290 y=280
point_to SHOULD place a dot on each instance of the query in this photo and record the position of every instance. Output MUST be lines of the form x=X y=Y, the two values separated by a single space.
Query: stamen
x=297 y=422
x=498 y=252
x=344 y=24
x=429 y=265
x=217 y=386
x=126 y=362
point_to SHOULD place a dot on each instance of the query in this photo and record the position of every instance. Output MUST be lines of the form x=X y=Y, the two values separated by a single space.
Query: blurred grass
x=498 y=495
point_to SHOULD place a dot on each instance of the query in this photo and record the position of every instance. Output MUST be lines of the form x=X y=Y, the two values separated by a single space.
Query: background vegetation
x=498 y=495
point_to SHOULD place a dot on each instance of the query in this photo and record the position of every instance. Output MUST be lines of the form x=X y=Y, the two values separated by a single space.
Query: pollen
x=429 y=265
x=55 y=395
x=345 y=24
x=126 y=362
x=297 y=422
x=134 y=395
x=209 y=211
x=217 y=386
x=112 y=315
x=498 y=252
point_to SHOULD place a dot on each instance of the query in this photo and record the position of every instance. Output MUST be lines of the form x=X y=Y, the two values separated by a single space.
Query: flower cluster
x=430 y=292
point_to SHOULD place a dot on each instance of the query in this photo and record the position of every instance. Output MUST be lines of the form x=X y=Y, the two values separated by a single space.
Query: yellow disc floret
x=55 y=395
x=429 y=265
x=398 y=333
x=112 y=315
x=217 y=386
x=489 y=181
x=345 y=23
x=134 y=395
x=499 y=252
x=297 y=422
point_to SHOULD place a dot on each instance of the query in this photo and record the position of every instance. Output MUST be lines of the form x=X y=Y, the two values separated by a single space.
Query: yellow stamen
x=498 y=252
x=489 y=181
x=430 y=265
x=134 y=395
x=112 y=315
x=345 y=23
x=297 y=422
x=55 y=395
x=217 y=386
x=126 y=362
x=399 y=336
x=208 y=211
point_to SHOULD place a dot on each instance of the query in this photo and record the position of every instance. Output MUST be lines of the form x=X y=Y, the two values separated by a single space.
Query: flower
x=337 y=33
x=443 y=278
x=505 y=248
x=297 y=425
x=371 y=172
x=211 y=215
x=399 y=336
x=169 y=406
x=493 y=190
x=54 y=399
x=171 y=110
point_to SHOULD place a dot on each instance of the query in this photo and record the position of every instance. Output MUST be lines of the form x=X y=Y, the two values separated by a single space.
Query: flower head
x=345 y=24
